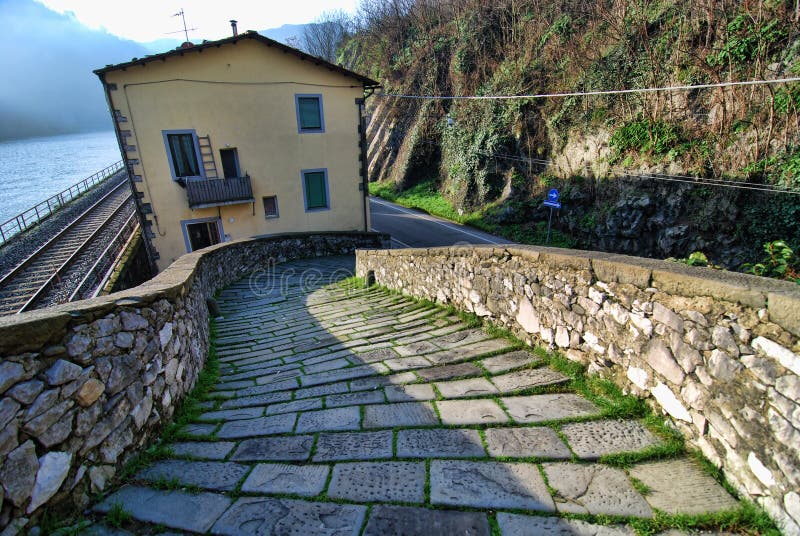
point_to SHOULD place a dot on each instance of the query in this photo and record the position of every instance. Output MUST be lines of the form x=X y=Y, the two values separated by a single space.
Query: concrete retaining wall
x=84 y=385
x=717 y=352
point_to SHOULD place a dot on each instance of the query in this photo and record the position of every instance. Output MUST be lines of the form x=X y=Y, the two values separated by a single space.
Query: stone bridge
x=341 y=409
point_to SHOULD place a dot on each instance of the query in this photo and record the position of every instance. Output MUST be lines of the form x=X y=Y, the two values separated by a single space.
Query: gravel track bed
x=24 y=244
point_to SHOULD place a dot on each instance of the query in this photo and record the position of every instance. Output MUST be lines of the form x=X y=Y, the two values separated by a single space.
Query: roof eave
x=366 y=82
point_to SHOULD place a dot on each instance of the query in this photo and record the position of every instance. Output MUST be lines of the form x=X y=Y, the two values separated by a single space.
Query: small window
x=309 y=113
x=270 y=206
x=182 y=153
x=315 y=189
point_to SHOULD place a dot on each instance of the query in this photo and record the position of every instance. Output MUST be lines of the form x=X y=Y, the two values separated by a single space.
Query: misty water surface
x=33 y=169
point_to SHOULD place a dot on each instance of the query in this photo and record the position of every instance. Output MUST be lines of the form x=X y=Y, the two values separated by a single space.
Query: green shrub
x=780 y=263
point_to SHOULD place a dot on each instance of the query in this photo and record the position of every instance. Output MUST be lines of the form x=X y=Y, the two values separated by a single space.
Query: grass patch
x=640 y=486
x=747 y=519
x=117 y=516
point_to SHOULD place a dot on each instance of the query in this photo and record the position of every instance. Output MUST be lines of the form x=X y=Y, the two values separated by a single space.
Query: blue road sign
x=552 y=204
x=552 y=195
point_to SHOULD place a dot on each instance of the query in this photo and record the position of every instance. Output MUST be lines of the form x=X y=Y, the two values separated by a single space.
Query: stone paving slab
x=232 y=414
x=539 y=442
x=378 y=481
x=223 y=476
x=522 y=525
x=280 y=478
x=354 y=399
x=386 y=520
x=591 y=440
x=276 y=424
x=256 y=400
x=402 y=414
x=466 y=352
x=186 y=511
x=471 y=412
x=407 y=363
x=417 y=348
x=442 y=443
x=382 y=381
x=284 y=448
x=466 y=388
x=594 y=489
x=682 y=487
x=194 y=429
x=211 y=450
x=354 y=446
x=489 y=485
x=460 y=338
x=447 y=372
x=509 y=361
x=304 y=404
x=540 y=408
x=322 y=390
x=528 y=379
x=346 y=418
x=261 y=515
x=409 y=393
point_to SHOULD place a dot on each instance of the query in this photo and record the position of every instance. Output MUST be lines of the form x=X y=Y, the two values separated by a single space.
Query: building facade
x=239 y=137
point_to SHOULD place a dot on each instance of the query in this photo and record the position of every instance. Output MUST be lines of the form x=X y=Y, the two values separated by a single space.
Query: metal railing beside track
x=29 y=218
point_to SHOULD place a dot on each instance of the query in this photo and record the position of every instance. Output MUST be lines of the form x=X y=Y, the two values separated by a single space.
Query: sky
x=149 y=20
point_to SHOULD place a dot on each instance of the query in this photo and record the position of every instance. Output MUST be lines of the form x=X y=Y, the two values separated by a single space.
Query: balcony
x=205 y=193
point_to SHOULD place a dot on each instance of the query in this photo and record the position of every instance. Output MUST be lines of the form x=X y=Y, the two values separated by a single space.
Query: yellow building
x=239 y=137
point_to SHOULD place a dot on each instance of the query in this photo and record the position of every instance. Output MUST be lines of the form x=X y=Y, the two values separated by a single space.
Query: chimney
x=233 y=27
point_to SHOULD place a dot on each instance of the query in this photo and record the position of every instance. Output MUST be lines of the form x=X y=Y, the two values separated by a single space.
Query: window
x=198 y=234
x=309 y=113
x=270 y=206
x=182 y=153
x=315 y=189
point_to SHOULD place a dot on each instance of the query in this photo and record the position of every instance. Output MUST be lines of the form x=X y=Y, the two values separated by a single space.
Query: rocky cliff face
x=505 y=154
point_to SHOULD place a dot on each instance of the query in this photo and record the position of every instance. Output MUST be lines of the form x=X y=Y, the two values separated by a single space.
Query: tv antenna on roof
x=185 y=29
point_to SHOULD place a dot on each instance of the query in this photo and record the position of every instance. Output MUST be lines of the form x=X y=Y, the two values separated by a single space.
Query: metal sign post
x=552 y=202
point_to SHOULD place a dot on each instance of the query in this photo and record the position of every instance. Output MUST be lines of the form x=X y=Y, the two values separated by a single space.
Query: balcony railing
x=218 y=192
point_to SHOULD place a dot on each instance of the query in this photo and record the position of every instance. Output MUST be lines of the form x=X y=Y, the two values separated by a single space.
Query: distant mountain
x=48 y=85
x=161 y=45
x=287 y=34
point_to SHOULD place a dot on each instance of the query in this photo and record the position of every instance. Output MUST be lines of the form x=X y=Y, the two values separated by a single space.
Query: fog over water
x=47 y=64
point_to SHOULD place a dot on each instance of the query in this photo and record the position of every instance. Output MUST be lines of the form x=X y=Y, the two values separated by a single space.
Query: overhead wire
x=592 y=93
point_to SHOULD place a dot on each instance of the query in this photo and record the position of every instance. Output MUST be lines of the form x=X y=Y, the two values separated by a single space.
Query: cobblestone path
x=346 y=412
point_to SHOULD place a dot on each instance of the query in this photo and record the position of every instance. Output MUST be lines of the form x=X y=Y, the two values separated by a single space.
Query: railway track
x=45 y=277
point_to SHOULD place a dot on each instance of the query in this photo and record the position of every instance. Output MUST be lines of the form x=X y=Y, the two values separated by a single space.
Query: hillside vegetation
x=496 y=158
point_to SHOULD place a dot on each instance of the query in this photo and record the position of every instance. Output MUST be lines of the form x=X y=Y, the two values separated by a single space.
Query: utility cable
x=590 y=93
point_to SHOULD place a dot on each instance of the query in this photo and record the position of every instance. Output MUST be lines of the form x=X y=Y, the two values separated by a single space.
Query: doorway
x=199 y=234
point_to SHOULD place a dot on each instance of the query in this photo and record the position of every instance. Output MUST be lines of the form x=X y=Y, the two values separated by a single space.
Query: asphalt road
x=415 y=229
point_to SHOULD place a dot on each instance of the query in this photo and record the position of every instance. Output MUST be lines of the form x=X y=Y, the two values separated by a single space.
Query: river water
x=33 y=169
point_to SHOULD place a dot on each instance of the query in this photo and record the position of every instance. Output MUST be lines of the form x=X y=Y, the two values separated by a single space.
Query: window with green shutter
x=309 y=113
x=315 y=189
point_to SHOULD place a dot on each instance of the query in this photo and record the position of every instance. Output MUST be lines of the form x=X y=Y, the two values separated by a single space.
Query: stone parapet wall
x=717 y=352
x=84 y=385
